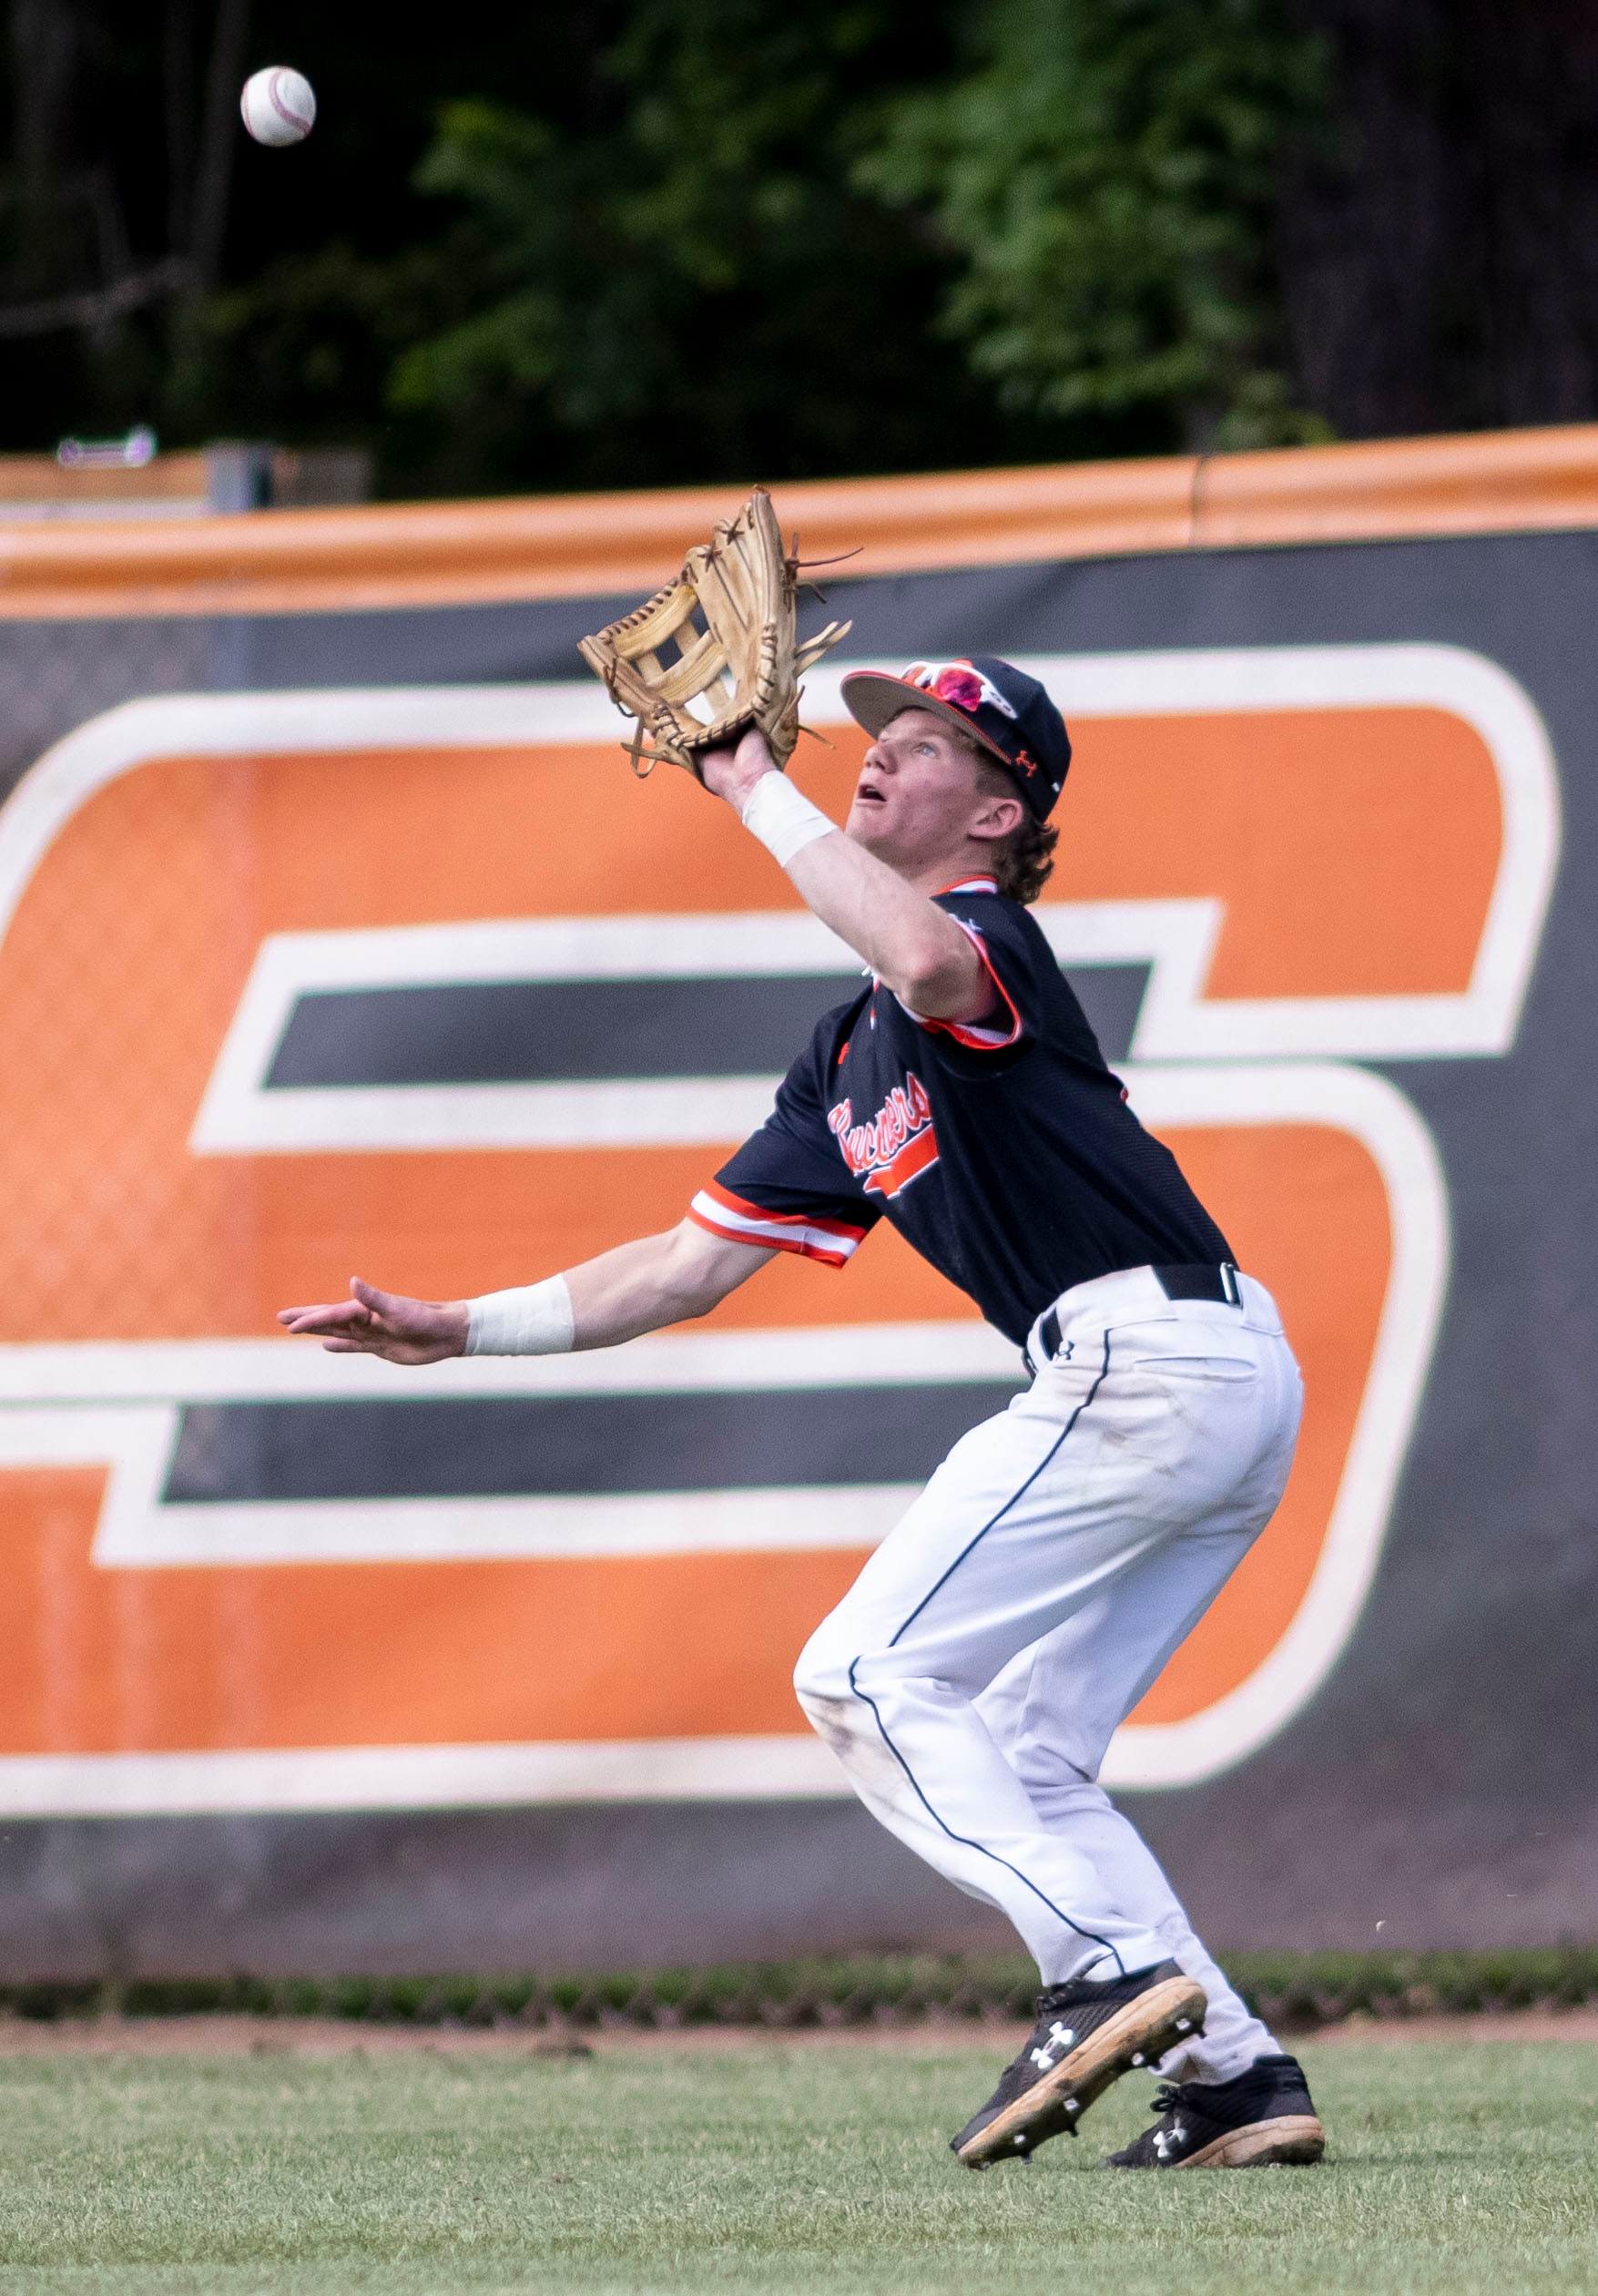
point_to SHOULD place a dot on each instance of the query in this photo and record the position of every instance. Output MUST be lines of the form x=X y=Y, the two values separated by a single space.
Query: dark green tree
x=623 y=242
x=700 y=288
x=1107 y=171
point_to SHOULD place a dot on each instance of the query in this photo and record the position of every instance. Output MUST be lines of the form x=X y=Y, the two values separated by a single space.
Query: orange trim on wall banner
x=460 y=553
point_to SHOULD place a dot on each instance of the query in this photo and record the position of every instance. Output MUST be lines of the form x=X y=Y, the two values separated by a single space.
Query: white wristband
x=536 y=1320
x=783 y=818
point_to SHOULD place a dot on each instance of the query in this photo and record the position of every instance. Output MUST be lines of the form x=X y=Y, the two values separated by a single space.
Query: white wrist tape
x=536 y=1320
x=783 y=818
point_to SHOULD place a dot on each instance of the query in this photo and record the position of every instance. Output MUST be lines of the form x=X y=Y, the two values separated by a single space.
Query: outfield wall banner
x=356 y=947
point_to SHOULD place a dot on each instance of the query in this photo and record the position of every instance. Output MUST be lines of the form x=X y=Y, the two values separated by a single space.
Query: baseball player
x=969 y=1681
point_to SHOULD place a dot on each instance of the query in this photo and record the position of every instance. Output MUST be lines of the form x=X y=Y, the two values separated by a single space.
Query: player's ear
x=997 y=816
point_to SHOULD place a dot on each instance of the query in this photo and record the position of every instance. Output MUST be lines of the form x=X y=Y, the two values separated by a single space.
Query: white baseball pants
x=970 y=1679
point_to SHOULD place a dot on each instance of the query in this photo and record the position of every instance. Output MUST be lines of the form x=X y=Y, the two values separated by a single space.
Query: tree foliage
x=703 y=288
x=1107 y=170
x=627 y=242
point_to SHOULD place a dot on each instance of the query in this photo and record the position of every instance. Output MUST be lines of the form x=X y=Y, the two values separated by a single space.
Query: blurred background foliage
x=1104 y=177
x=621 y=242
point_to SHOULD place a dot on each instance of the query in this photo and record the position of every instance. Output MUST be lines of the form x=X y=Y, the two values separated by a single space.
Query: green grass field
x=1454 y=2166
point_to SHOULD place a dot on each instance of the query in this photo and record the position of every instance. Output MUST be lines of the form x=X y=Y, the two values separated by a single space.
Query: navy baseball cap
x=1009 y=713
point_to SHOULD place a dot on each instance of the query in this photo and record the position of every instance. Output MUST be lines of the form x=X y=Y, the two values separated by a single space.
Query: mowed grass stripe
x=1457 y=2166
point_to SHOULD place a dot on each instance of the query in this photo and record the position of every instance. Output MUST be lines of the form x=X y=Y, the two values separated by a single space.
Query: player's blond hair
x=1025 y=861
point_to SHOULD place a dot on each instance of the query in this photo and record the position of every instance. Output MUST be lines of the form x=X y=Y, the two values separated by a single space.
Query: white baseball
x=279 y=106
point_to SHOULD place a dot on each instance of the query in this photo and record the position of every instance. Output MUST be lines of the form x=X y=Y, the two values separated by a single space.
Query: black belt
x=1202 y=1281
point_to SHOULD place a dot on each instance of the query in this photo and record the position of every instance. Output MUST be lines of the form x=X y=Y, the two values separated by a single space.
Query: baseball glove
x=738 y=664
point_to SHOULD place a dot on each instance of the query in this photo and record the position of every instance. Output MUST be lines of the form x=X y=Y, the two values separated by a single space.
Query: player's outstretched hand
x=373 y=1322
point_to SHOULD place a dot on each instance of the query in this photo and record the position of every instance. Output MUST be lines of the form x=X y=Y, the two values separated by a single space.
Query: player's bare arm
x=923 y=816
x=639 y=1287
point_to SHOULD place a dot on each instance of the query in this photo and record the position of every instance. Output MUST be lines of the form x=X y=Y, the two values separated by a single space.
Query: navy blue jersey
x=1004 y=1153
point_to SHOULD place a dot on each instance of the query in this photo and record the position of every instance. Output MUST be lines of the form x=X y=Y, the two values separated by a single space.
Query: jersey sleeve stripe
x=725 y=1198
x=832 y=1242
x=963 y=1031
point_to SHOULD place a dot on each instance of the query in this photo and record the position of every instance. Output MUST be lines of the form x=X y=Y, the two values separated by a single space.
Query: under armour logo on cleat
x=1061 y=2038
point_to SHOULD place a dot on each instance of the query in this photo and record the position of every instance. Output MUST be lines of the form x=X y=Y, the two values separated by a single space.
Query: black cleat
x=1259 y=2118
x=1086 y=2037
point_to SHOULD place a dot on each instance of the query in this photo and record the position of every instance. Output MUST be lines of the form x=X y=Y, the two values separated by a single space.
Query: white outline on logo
x=1389 y=1127
x=83 y=1404
x=1178 y=1022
